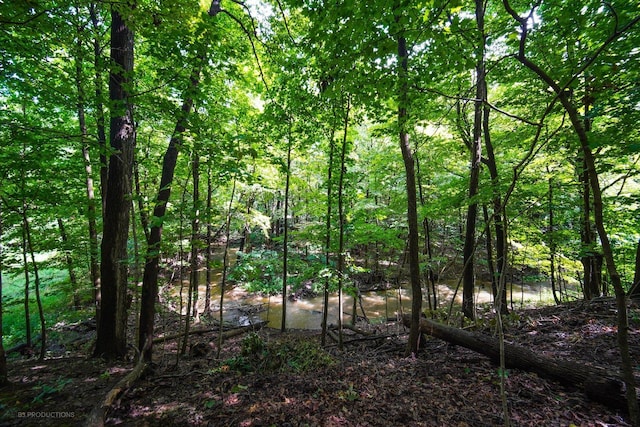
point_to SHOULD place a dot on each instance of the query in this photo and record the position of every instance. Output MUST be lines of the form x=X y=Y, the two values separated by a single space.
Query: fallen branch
x=351 y=328
x=600 y=385
x=227 y=334
x=97 y=415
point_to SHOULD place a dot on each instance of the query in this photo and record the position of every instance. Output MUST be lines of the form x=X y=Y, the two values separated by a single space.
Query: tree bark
x=150 y=275
x=69 y=261
x=209 y=252
x=94 y=265
x=111 y=339
x=635 y=287
x=342 y=219
x=410 y=180
x=468 y=252
x=499 y=217
x=552 y=244
x=327 y=237
x=600 y=384
x=192 y=299
x=285 y=239
x=36 y=274
x=3 y=359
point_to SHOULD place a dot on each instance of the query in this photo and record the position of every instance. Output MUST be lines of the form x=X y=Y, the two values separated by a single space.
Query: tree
x=111 y=341
x=410 y=177
x=3 y=358
x=563 y=93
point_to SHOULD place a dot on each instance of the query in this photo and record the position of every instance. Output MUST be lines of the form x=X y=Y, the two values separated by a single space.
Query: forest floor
x=274 y=379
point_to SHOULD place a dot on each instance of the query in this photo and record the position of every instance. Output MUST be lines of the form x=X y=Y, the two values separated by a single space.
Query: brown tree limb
x=228 y=334
x=97 y=415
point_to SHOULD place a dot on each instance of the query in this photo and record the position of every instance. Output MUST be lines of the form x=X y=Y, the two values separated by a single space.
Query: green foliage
x=261 y=271
x=285 y=354
x=252 y=344
x=47 y=390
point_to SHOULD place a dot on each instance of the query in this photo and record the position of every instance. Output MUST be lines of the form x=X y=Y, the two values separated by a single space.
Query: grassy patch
x=57 y=304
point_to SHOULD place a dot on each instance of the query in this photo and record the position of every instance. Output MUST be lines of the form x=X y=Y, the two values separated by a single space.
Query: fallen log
x=599 y=384
x=227 y=334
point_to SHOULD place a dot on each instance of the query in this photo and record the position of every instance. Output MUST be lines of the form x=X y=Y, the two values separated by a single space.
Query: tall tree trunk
x=327 y=237
x=499 y=213
x=431 y=287
x=468 y=252
x=592 y=174
x=285 y=240
x=225 y=263
x=342 y=220
x=192 y=301
x=150 y=275
x=99 y=104
x=209 y=254
x=69 y=261
x=410 y=179
x=552 y=243
x=489 y=247
x=3 y=358
x=94 y=265
x=589 y=284
x=111 y=339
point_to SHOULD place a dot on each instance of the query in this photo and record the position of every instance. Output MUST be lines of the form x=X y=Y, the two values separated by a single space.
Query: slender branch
x=286 y=24
x=253 y=45
x=490 y=105
x=37 y=15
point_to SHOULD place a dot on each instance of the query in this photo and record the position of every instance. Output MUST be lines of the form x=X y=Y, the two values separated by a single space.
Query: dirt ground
x=368 y=383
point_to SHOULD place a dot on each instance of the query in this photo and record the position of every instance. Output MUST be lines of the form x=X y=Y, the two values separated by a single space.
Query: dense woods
x=445 y=148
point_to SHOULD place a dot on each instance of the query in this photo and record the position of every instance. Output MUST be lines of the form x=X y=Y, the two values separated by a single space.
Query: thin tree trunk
x=285 y=240
x=192 y=300
x=225 y=265
x=327 y=238
x=142 y=211
x=634 y=292
x=489 y=247
x=410 y=179
x=3 y=358
x=209 y=255
x=135 y=271
x=27 y=312
x=431 y=287
x=99 y=106
x=111 y=339
x=69 y=261
x=150 y=275
x=341 y=221
x=552 y=243
x=468 y=252
x=94 y=265
x=499 y=214
x=43 y=327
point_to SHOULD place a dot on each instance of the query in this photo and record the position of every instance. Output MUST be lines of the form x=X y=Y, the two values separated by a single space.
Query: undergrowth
x=285 y=354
